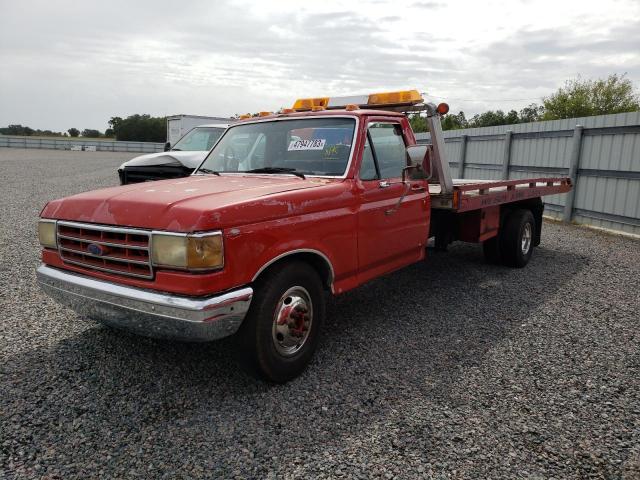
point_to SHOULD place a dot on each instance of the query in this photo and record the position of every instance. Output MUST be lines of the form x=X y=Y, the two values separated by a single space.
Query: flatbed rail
x=476 y=194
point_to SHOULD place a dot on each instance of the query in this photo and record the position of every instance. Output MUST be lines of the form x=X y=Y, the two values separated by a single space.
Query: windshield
x=311 y=146
x=199 y=139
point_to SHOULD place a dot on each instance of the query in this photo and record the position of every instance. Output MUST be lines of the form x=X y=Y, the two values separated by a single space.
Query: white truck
x=179 y=125
x=178 y=160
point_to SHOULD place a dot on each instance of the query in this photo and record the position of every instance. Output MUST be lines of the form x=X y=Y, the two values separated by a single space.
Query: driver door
x=390 y=234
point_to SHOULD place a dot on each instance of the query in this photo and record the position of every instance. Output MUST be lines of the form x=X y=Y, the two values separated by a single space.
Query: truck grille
x=124 y=251
x=158 y=172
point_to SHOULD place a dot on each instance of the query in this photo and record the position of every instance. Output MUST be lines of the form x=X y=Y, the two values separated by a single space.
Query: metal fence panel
x=606 y=163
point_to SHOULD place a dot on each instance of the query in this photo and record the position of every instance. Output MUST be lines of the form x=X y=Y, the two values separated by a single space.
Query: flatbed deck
x=476 y=194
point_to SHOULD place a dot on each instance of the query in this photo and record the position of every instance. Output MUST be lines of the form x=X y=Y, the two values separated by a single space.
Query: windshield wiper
x=206 y=170
x=292 y=171
x=176 y=149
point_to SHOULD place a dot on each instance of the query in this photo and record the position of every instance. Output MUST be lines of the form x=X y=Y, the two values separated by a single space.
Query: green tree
x=454 y=122
x=449 y=122
x=531 y=113
x=139 y=128
x=73 y=132
x=488 y=119
x=511 y=118
x=88 y=132
x=583 y=98
x=418 y=123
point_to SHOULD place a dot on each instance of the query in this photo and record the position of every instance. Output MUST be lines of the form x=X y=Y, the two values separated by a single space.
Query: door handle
x=384 y=184
x=418 y=188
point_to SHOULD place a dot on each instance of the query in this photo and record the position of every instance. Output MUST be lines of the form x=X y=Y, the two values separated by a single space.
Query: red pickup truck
x=285 y=209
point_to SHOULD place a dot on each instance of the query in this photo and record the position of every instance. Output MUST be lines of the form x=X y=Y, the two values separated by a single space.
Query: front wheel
x=280 y=334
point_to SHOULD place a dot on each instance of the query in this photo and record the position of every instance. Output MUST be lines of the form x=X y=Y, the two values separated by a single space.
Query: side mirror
x=167 y=146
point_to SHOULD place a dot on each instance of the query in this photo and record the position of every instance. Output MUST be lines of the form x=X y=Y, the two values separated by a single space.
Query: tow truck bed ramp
x=476 y=194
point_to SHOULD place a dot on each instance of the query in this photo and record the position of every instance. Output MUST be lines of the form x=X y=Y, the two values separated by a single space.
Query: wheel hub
x=527 y=235
x=292 y=321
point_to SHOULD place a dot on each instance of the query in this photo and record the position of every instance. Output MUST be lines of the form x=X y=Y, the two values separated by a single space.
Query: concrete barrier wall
x=56 y=143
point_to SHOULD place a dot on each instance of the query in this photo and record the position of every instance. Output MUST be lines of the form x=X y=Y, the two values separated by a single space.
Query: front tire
x=281 y=331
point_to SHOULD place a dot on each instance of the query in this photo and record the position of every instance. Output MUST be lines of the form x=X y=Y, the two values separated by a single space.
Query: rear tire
x=281 y=331
x=517 y=238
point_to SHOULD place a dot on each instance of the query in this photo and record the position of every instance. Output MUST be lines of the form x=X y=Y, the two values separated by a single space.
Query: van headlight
x=47 y=233
x=198 y=251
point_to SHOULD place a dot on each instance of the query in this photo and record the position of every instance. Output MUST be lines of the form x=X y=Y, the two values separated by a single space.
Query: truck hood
x=172 y=157
x=195 y=203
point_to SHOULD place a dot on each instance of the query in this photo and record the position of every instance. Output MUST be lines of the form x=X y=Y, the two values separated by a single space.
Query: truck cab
x=286 y=209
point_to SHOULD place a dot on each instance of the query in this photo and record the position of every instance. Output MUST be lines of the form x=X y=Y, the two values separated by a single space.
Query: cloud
x=428 y=5
x=68 y=64
x=546 y=57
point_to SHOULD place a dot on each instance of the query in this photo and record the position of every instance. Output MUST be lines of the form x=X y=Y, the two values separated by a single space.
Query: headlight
x=199 y=251
x=47 y=233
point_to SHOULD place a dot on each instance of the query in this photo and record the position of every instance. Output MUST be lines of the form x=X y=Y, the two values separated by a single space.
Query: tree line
x=137 y=128
x=72 y=132
x=577 y=98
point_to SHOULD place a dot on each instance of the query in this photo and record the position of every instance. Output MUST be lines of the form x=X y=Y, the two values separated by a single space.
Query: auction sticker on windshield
x=316 y=144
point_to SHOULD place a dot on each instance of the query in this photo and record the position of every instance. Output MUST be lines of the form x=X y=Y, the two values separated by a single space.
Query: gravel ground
x=448 y=369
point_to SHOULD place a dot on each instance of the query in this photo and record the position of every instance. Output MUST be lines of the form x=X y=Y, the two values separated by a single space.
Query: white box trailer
x=178 y=125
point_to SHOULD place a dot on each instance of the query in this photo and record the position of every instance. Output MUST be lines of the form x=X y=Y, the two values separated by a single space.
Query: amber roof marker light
x=303 y=104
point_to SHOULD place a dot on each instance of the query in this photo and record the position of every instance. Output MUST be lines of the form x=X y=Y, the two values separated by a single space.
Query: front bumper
x=148 y=313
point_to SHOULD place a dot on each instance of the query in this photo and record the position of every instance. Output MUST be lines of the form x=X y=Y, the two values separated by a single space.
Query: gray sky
x=76 y=64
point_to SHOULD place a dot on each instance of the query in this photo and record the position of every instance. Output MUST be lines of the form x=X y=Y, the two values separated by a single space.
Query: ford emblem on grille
x=96 y=249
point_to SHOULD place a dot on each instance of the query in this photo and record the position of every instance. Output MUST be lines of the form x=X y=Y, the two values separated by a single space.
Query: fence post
x=576 y=149
x=463 y=155
x=507 y=155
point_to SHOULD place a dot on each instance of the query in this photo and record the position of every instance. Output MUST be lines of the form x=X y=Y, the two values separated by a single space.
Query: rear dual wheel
x=514 y=244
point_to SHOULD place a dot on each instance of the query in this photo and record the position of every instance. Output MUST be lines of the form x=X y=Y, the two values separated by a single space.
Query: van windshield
x=311 y=146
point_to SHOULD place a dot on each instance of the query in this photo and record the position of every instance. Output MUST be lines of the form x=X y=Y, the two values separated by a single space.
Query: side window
x=368 y=169
x=389 y=148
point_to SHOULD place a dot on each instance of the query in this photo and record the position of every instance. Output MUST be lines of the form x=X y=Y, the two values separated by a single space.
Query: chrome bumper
x=148 y=313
